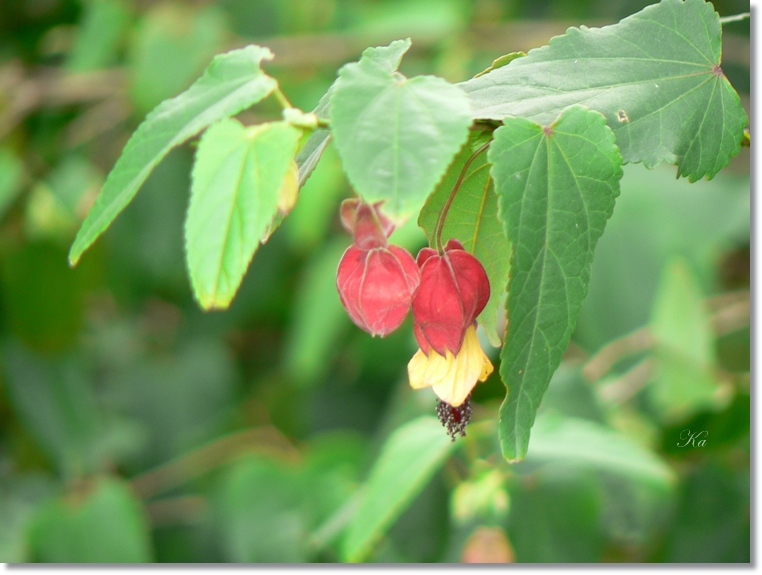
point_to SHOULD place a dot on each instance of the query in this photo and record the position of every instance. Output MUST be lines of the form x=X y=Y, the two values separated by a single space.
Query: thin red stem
x=446 y=208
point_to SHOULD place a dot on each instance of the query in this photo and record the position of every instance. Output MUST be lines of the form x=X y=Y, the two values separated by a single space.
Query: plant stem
x=281 y=97
x=446 y=208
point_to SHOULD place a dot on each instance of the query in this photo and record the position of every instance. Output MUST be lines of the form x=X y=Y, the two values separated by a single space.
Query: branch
x=265 y=439
x=733 y=312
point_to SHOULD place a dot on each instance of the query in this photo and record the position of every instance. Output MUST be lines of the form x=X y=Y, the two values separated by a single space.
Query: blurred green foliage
x=135 y=427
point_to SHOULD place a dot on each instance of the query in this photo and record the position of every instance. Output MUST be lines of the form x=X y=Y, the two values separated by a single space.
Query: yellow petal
x=471 y=365
x=452 y=377
x=416 y=370
x=424 y=370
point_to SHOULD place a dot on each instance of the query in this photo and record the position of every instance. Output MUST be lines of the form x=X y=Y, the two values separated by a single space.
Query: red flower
x=375 y=280
x=454 y=290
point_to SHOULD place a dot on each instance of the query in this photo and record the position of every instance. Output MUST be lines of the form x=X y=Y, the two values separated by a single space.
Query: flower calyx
x=375 y=280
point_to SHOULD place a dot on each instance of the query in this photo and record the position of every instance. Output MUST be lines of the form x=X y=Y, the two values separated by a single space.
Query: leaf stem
x=735 y=18
x=281 y=97
x=446 y=208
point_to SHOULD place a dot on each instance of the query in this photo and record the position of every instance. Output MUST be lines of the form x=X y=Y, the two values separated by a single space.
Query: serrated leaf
x=237 y=178
x=232 y=82
x=409 y=458
x=107 y=525
x=472 y=218
x=388 y=57
x=655 y=76
x=396 y=136
x=556 y=187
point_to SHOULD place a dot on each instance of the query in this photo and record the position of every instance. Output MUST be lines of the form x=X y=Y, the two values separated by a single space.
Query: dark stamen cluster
x=455 y=419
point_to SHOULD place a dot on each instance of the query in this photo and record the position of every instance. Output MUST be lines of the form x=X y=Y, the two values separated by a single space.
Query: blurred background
x=134 y=427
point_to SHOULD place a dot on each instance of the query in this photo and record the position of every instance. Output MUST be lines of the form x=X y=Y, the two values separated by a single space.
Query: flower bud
x=454 y=289
x=376 y=285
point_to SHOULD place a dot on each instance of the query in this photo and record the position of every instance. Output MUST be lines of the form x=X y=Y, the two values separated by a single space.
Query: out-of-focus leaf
x=712 y=522
x=396 y=136
x=145 y=243
x=261 y=521
x=482 y=498
x=556 y=187
x=472 y=218
x=684 y=381
x=99 y=35
x=657 y=217
x=581 y=442
x=408 y=459
x=11 y=176
x=237 y=177
x=417 y=18
x=232 y=82
x=105 y=525
x=43 y=300
x=318 y=201
x=58 y=204
x=20 y=494
x=556 y=518
x=318 y=318
x=57 y=404
x=172 y=45
x=656 y=77
x=180 y=399
x=388 y=57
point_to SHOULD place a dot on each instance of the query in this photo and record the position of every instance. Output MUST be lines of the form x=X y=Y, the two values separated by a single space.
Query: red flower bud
x=454 y=290
x=376 y=286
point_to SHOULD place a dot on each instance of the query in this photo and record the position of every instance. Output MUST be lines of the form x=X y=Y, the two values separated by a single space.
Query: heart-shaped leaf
x=655 y=75
x=396 y=136
x=556 y=186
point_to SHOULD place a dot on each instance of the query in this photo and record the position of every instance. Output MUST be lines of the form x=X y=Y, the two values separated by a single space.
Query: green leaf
x=556 y=517
x=319 y=198
x=234 y=197
x=557 y=438
x=396 y=136
x=655 y=76
x=556 y=187
x=232 y=82
x=408 y=459
x=57 y=404
x=11 y=177
x=99 y=35
x=261 y=518
x=318 y=319
x=500 y=62
x=172 y=44
x=388 y=57
x=684 y=382
x=105 y=525
x=472 y=219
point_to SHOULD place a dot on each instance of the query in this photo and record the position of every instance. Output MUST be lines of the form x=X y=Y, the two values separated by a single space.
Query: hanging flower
x=453 y=291
x=375 y=280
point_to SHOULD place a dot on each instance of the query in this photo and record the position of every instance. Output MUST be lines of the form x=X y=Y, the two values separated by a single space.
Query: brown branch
x=265 y=439
x=732 y=312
